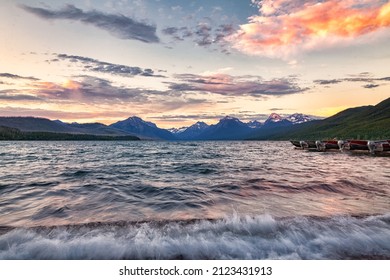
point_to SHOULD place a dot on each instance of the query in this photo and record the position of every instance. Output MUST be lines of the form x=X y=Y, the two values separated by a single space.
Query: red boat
x=327 y=145
x=376 y=146
x=353 y=145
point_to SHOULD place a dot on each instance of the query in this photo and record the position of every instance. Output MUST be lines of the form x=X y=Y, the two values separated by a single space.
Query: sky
x=176 y=62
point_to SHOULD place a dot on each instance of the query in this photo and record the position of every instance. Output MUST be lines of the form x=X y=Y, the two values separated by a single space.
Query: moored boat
x=378 y=146
x=297 y=144
x=373 y=146
x=353 y=145
x=327 y=145
x=308 y=144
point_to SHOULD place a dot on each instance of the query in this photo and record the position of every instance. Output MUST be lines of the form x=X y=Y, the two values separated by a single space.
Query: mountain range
x=228 y=128
x=360 y=122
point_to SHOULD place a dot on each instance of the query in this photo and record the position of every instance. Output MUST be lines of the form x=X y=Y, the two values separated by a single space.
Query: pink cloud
x=285 y=28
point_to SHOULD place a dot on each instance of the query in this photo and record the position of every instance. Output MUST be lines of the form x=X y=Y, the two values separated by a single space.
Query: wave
x=234 y=237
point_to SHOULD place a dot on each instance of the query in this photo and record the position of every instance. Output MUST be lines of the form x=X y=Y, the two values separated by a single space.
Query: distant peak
x=138 y=120
x=135 y=118
x=297 y=118
x=177 y=130
x=200 y=124
x=229 y=118
x=254 y=124
x=274 y=117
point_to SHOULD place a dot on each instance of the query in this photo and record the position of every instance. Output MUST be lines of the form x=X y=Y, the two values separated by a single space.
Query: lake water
x=191 y=200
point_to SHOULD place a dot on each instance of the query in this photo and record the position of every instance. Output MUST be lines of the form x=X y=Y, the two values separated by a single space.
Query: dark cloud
x=118 y=25
x=176 y=33
x=364 y=77
x=95 y=65
x=235 y=86
x=370 y=86
x=204 y=34
x=327 y=82
x=13 y=76
x=14 y=95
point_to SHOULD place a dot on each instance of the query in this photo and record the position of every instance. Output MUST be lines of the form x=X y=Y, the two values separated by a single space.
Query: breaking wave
x=234 y=237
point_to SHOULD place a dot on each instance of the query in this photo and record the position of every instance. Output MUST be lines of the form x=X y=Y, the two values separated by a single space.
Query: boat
x=308 y=144
x=378 y=146
x=353 y=145
x=322 y=146
x=296 y=143
x=372 y=146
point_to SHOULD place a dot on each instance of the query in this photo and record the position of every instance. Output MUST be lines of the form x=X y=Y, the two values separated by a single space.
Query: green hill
x=12 y=134
x=36 y=124
x=367 y=122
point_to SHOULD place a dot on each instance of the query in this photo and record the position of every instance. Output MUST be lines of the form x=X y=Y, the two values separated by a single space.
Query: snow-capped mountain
x=299 y=118
x=177 y=130
x=296 y=118
x=228 y=128
x=274 y=118
x=254 y=124
x=187 y=133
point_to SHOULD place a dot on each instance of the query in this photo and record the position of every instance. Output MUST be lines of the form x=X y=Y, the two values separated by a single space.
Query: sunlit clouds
x=286 y=28
x=179 y=62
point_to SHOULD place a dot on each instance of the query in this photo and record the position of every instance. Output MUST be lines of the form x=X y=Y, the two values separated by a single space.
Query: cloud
x=364 y=77
x=118 y=25
x=95 y=65
x=58 y=114
x=101 y=97
x=94 y=91
x=15 y=95
x=204 y=34
x=228 y=85
x=370 y=86
x=243 y=116
x=327 y=82
x=285 y=28
x=89 y=89
x=13 y=76
x=276 y=109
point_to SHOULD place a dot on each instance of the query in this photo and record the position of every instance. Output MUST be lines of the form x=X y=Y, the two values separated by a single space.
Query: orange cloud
x=71 y=85
x=282 y=30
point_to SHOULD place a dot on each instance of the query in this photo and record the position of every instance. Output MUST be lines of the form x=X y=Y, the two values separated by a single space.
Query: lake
x=191 y=200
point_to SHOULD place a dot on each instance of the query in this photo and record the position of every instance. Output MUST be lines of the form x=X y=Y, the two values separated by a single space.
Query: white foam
x=260 y=237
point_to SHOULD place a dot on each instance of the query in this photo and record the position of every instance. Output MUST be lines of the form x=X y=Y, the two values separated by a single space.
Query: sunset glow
x=314 y=26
